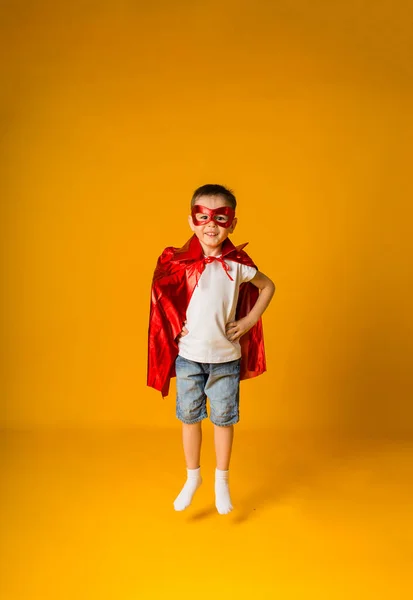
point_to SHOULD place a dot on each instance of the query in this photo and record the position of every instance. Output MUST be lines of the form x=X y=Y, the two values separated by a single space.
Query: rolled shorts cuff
x=192 y=421
x=233 y=421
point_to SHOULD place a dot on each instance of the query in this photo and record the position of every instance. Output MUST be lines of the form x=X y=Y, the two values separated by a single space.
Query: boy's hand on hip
x=236 y=329
x=183 y=333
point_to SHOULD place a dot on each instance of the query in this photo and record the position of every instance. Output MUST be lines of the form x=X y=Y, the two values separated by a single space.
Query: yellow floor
x=88 y=514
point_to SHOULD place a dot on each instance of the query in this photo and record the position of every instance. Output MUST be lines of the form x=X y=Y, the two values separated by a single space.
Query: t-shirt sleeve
x=247 y=273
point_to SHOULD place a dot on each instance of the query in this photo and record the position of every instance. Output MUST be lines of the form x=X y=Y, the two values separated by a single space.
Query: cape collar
x=192 y=250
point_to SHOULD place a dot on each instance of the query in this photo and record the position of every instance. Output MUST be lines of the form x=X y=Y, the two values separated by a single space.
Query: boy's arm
x=236 y=329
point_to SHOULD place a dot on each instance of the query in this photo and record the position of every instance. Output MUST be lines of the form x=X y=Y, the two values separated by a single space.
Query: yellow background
x=112 y=113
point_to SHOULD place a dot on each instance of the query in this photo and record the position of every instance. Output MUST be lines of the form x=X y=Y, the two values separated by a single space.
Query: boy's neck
x=212 y=251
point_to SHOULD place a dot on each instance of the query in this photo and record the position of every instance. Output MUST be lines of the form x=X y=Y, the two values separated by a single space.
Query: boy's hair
x=212 y=189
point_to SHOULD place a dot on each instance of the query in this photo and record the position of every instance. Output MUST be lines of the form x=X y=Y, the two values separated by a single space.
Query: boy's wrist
x=251 y=321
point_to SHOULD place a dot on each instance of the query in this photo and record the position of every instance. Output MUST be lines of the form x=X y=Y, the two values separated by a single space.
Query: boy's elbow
x=268 y=288
x=271 y=286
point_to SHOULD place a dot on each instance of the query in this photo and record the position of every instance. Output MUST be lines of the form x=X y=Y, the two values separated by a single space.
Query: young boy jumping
x=205 y=328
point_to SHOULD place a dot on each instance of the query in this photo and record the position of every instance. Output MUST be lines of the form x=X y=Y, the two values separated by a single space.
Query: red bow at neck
x=210 y=259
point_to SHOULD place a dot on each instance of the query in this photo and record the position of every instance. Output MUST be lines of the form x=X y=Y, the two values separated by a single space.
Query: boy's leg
x=192 y=441
x=223 y=392
x=190 y=409
x=223 y=438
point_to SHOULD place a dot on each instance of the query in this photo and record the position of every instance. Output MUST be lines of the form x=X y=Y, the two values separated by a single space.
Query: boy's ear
x=233 y=225
x=191 y=223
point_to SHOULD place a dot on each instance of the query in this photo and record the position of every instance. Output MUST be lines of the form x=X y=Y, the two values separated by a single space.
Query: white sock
x=194 y=480
x=222 y=496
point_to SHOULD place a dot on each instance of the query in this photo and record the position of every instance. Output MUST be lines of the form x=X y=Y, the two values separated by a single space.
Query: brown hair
x=212 y=189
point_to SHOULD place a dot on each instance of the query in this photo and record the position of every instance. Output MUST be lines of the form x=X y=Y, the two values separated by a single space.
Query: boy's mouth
x=211 y=234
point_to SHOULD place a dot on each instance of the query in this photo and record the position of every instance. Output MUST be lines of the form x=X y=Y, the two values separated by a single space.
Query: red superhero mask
x=222 y=216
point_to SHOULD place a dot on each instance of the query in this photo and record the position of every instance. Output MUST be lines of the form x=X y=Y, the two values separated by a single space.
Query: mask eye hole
x=221 y=218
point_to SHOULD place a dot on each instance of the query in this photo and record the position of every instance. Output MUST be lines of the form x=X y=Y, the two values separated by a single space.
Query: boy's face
x=211 y=235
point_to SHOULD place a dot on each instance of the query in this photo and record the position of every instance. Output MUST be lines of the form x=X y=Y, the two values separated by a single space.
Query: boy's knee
x=224 y=418
x=189 y=415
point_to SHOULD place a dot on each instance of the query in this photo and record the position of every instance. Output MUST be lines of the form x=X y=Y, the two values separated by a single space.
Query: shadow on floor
x=270 y=468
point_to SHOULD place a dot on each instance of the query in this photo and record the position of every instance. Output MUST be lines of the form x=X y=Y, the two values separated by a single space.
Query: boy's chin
x=213 y=240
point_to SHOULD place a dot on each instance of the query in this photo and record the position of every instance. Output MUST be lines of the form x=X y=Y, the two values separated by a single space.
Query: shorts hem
x=232 y=422
x=193 y=421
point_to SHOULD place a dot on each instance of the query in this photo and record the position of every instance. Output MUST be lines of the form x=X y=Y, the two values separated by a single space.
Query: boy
x=205 y=328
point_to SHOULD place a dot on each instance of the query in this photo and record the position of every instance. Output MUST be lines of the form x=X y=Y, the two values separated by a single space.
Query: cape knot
x=210 y=259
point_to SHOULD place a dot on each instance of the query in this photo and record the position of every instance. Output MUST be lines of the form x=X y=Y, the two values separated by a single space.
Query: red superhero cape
x=176 y=275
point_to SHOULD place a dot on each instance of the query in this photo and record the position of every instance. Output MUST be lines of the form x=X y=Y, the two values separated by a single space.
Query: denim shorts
x=218 y=381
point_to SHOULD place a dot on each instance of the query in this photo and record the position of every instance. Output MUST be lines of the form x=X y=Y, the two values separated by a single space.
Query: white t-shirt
x=212 y=305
